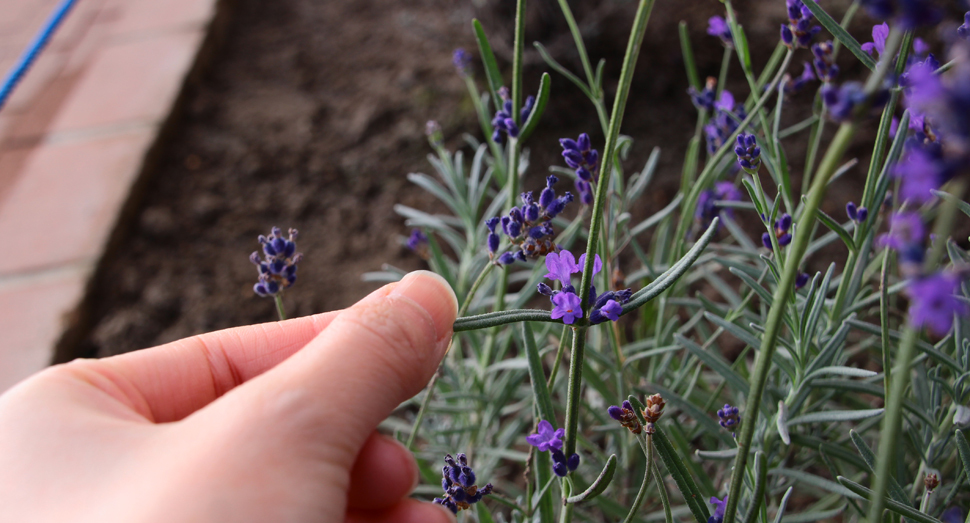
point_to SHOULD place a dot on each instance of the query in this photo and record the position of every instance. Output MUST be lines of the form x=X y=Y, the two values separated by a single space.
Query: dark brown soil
x=312 y=114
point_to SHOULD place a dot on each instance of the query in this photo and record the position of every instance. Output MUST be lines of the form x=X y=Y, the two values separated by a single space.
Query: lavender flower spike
x=458 y=482
x=729 y=418
x=964 y=30
x=933 y=302
x=277 y=270
x=749 y=154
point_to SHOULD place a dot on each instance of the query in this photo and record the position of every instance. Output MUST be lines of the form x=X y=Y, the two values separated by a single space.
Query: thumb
x=373 y=356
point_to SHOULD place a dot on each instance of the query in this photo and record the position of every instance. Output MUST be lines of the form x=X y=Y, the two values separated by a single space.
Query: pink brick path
x=73 y=138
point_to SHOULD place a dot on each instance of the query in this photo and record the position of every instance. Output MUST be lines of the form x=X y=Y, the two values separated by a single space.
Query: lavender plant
x=857 y=375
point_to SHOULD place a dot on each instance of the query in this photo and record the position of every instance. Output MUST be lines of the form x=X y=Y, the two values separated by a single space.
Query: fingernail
x=433 y=294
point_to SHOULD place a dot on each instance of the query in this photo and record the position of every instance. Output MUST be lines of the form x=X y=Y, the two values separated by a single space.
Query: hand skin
x=266 y=423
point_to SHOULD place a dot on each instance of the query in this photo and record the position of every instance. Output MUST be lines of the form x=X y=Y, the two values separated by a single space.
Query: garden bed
x=310 y=117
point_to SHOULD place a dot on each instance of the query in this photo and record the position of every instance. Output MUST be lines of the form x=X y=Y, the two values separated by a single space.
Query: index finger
x=171 y=381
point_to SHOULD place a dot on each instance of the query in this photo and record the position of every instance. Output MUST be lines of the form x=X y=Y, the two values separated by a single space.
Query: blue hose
x=34 y=49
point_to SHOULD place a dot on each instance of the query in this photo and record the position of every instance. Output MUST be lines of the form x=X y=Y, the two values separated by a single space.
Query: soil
x=311 y=115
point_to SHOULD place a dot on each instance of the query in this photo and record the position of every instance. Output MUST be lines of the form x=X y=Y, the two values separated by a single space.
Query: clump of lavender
x=463 y=62
x=730 y=417
x=458 y=482
x=934 y=301
x=824 y=63
x=799 y=31
x=909 y=14
x=795 y=84
x=417 y=242
x=626 y=416
x=708 y=207
x=856 y=214
x=724 y=122
x=717 y=26
x=503 y=122
x=606 y=306
x=277 y=267
x=940 y=149
x=580 y=155
x=547 y=439
x=704 y=99
x=906 y=236
x=529 y=227
x=749 y=154
x=782 y=232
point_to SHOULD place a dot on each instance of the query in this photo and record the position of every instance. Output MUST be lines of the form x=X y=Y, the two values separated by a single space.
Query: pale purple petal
x=597 y=263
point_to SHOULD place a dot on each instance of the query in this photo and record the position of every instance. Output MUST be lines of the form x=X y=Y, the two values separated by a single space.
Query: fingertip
x=432 y=293
x=384 y=473
x=407 y=511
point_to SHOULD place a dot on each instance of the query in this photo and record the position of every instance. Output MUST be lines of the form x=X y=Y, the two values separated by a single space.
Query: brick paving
x=73 y=140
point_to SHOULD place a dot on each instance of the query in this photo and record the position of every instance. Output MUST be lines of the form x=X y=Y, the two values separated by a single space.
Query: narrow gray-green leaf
x=895 y=490
x=815 y=481
x=492 y=73
x=538 y=376
x=716 y=363
x=836 y=416
x=899 y=508
x=542 y=98
x=599 y=484
x=681 y=476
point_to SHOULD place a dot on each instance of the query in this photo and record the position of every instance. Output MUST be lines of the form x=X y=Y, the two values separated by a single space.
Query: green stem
x=647 y=473
x=278 y=298
x=596 y=222
x=567 y=13
x=517 y=64
x=891 y=423
x=779 y=303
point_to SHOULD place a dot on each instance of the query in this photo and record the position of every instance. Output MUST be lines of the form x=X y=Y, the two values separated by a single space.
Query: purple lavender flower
x=856 y=214
x=842 y=101
x=824 y=62
x=782 y=234
x=878 y=44
x=707 y=203
x=933 y=302
x=717 y=26
x=277 y=269
x=503 y=122
x=561 y=266
x=529 y=227
x=580 y=155
x=458 y=482
x=909 y=14
x=944 y=100
x=567 y=307
x=704 y=100
x=801 y=280
x=921 y=172
x=906 y=236
x=720 y=504
x=799 y=31
x=729 y=418
x=546 y=437
x=724 y=121
x=749 y=154
x=964 y=30
x=462 y=61
x=953 y=514
x=794 y=85
x=417 y=242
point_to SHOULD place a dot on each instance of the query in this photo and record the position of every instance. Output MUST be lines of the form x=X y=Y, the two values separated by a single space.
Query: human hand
x=266 y=423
